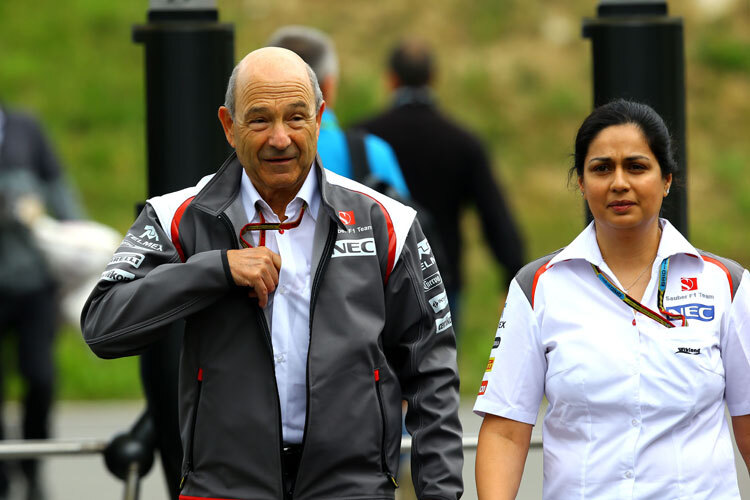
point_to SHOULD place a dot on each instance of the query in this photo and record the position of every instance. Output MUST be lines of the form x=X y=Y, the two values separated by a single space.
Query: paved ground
x=86 y=477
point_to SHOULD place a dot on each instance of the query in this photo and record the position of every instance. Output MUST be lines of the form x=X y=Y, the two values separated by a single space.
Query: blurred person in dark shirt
x=31 y=182
x=445 y=166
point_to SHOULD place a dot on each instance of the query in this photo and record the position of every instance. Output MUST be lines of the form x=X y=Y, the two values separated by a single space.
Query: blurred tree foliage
x=516 y=72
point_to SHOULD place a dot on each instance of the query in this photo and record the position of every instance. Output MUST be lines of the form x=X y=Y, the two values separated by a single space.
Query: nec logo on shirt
x=347 y=218
x=700 y=312
x=689 y=284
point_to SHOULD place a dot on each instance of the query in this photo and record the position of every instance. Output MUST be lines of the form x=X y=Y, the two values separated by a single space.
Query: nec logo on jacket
x=354 y=248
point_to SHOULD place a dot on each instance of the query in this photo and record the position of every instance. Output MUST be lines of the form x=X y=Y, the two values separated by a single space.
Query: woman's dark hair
x=621 y=112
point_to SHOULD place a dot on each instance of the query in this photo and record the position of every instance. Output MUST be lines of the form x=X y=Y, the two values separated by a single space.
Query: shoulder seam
x=529 y=274
x=732 y=269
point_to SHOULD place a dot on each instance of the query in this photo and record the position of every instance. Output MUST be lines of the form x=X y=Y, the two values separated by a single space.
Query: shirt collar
x=585 y=247
x=308 y=193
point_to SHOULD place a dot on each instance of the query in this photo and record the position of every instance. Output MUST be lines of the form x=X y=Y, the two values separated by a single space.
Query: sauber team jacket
x=380 y=332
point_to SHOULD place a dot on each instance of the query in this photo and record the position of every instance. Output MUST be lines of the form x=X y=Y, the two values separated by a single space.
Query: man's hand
x=257 y=268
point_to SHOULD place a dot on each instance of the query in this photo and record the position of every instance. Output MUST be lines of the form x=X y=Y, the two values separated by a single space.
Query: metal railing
x=135 y=469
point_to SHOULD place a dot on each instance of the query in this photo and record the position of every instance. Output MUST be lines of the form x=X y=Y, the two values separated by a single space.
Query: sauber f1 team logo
x=483 y=388
x=689 y=284
x=347 y=217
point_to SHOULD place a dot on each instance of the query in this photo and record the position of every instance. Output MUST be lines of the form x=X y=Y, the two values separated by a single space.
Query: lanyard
x=667 y=318
x=264 y=226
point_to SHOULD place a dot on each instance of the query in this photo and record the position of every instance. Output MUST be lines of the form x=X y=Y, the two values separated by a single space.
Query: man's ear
x=225 y=117
x=318 y=118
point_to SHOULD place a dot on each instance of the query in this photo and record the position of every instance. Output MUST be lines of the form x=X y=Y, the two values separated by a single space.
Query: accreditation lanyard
x=667 y=318
x=264 y=226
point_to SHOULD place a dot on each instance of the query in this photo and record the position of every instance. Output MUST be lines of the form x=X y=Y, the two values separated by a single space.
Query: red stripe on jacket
x=391 y=238
x=176 y=227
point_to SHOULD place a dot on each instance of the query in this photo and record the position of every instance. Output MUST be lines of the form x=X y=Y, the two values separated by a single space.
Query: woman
x=636 y=338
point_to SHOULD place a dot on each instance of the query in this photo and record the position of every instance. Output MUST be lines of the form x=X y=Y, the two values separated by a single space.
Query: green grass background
x=516 y=72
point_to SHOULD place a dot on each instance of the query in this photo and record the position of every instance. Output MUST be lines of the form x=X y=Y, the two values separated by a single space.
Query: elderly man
x=311 y=303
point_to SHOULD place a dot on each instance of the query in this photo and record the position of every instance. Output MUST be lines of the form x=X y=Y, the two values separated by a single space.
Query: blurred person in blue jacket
x=337 y=149
x=31 y=182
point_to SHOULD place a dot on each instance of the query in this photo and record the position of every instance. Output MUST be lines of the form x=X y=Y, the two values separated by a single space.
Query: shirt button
x=281 y=231
x=629 y=474
x=634 y=422
x=633 y=321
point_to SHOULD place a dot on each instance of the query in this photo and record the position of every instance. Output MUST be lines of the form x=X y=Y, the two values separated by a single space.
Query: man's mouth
x=279 y=159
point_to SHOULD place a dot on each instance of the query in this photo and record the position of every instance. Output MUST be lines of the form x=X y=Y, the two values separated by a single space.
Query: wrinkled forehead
x=275 y=91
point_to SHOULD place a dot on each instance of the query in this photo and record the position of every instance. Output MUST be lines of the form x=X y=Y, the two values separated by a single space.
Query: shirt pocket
x=697 y=345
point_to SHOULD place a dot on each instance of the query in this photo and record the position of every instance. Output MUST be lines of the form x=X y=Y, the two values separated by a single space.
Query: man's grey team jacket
x=380 y=331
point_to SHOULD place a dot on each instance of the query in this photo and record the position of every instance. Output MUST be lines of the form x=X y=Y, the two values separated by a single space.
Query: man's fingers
x=262 y=293
x=276 y=261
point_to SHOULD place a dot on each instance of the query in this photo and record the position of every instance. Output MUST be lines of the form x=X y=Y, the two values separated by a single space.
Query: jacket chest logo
x=354 y=248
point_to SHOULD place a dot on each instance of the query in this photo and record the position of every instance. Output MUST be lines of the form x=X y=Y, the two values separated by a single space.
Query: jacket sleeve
x=146 y=286
x=421 y=347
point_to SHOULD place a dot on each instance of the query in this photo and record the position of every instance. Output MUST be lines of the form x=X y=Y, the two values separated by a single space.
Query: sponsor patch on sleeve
x=432 y=281
x=483 y=388
x=439 y=302
x=426 y=259
x=132 y=258
x=117 y=275
x=490 y=364
x=443 y=323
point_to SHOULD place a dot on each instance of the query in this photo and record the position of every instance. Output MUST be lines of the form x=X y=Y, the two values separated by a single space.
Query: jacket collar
x=585 y=247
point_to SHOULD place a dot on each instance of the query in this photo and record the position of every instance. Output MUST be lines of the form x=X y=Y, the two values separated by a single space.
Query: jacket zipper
x=269 y=344
x=189 y=460
x=327 y=250
x=383 y=461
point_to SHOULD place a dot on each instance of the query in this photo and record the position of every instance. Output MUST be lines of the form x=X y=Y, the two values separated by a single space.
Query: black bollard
x=638 y=54
x=189 y=56
x=135 y=447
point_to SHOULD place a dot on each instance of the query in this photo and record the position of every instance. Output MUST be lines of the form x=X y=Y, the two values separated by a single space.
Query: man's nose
x=279 y=138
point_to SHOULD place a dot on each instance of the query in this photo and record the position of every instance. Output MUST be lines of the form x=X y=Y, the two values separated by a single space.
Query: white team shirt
x=636 y=410
x=288 y=309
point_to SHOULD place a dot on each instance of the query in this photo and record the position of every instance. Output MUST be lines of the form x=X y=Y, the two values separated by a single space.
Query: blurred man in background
x=343 y=153
x=31 y=183
x=445 y=166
